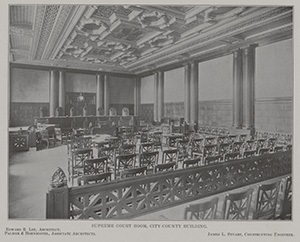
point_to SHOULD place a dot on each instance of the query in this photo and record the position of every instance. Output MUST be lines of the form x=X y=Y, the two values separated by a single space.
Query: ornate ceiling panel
x=138 y=38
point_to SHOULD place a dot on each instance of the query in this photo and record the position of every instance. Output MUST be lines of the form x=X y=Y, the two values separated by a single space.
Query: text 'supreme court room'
x=150 y=112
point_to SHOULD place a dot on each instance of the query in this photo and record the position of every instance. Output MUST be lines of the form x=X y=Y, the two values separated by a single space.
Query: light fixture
x=80 y=98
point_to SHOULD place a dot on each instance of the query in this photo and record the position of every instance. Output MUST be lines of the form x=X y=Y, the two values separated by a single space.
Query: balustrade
x=140 y=195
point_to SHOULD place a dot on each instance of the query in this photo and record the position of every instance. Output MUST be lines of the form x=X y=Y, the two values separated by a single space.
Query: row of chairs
x=237 y=206
x=125 y=163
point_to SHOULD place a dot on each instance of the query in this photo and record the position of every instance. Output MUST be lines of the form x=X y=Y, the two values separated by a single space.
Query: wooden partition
x=80 y=121
x=129 y=198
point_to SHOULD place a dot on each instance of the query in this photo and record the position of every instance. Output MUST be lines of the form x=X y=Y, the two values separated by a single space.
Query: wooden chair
x=197 y=145
x=202 y=211
x=95 y=166
x=155 y=137
x=224 y=148
x=208 y=160
x=76 y=162
x=191 y=163
x=243 y=138
x=289 y=147
x=58 y=135
x=139 y=171
x=182 y=146
x=210 y=141
x=250 y=145
x=286 y=205
x=266 y=201
x=171 y=141
x=91 y=179
x=262 y=151
x=271 y=143
x=114 y=142
x=42 y=139
x=146 y=147
x=221 y=139
x=210 y=150
x=237 y=206
x=278 y=148
x=124 y=162
x=169 y=161
x=231 y=156
x=127 y=149
x=236 y=147
x=143 y=137
x=249 y=153
x=110 y=153
x=149 y=159
x=78 y=143
x=101 y=144
x=260 y=143
x=66 y=135
x=233 y=138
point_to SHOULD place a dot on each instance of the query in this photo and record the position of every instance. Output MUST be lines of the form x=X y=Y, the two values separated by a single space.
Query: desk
x=98 y=138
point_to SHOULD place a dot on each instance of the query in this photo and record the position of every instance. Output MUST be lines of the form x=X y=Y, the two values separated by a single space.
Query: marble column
x=54 y=79
x=106 y=95
x=161 y=102
x=137 y=95
x=155 y=106
x=61 y=91
x=194 y=90
x=99 y=92
x=187 y=92
x=237 y=89
x=249 y=86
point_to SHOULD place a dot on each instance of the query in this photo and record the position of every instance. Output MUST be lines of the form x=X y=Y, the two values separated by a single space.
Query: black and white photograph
x=169 y=115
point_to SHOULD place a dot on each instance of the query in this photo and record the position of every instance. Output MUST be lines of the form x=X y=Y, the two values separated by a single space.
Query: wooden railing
x=132 y=197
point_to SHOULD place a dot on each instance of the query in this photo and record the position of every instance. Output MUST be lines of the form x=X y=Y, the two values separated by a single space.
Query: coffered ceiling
x=138 y=38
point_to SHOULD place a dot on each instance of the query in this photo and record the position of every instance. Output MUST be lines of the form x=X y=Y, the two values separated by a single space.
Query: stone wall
x=23 y=114
x=215 y=113
x=274 y=115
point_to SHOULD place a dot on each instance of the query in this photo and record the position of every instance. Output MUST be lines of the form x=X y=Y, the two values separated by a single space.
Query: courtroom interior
x=150 y=112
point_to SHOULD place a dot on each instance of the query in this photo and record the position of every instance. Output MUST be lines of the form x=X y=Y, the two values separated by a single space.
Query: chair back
x=221 y=139
x=90 y=179
x=134 y=172
x=250 y=145
x=197 y=145
x=236 y=147
x=125 y=161
x=210 y=150
x=127 y=149
x=183 y=148
x=191 y=163
x=212 y=159
x=266 y=201
x=171 y=141
x=231 y=156
x=286 y=209
x=237 y=206
x=146 y=147
x=211 y=141
x=95 y=166
x=249 y=153
x=232 y=138
x=81 y=143
x=58 y=134
x=202 y=211
x=170 y=156
x=224 y=148
x=149 y=159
